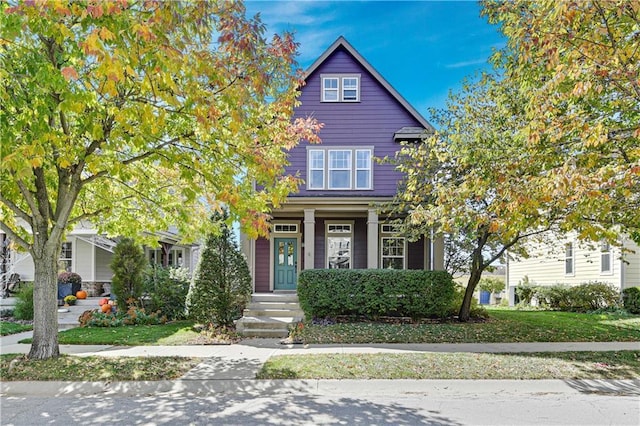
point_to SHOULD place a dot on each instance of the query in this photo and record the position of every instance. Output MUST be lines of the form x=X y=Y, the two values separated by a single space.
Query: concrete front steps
x=69 y=319
x=270 y=315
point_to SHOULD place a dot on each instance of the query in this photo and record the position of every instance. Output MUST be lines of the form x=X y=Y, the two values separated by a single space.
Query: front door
x=285 y=263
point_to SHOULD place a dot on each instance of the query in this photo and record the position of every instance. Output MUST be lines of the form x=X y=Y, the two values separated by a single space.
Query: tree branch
x=140 y=157
x=14 y=237
x=28 y=197
x=15 y=209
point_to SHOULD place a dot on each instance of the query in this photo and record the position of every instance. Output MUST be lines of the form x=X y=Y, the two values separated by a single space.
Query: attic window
x=340 y=87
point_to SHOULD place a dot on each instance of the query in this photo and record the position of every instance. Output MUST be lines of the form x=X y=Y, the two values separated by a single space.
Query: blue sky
x=423 y=48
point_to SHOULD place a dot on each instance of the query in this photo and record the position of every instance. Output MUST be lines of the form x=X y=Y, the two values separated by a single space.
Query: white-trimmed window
x=340 y=168
x=285 y=228
x=339 y=245
x=316 y=169
x=363 y=168
x=569 y=259
x=605 y=258
x=340 y=87
x=393 y=248
x=176 y=257
x=66 y=257
x=350 y=89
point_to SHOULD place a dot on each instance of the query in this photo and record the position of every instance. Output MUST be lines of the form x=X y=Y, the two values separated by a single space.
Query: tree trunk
x=477 y=266
x=465 y=309
x=45 y=298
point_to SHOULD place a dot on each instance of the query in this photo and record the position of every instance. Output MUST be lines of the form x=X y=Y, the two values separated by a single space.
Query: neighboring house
x=570 y=261
x=89 y=254
x=332 y=222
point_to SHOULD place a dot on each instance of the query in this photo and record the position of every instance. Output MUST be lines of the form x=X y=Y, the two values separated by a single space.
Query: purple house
x=332 y=222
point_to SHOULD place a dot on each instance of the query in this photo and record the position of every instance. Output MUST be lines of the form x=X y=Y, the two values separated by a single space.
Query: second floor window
x=339 y=168
x=341 y=88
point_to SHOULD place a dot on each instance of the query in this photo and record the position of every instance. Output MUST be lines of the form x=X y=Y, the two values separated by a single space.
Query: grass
x=502 y=326
x=15 y=367
x=557 y=365
x=7 y=327
x=174 y=333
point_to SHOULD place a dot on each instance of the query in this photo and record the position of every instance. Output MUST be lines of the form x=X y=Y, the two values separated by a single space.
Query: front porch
x=342 y=233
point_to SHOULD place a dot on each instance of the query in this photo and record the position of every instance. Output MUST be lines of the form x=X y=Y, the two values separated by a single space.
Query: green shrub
x=375 y=292
x=557 y=296
x=166 y=290
x=592 y=296
x=23 y=309
x=491 y=284
x=525 y=290
x=631 y=299
x=221 y=286
x=128 y=265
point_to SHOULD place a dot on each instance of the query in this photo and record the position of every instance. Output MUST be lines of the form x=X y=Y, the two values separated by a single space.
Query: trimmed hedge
x=375 y=292
x=631 y=299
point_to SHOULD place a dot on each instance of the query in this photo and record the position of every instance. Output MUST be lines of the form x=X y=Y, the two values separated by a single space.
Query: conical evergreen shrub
x=221 y=286
x=128 y=266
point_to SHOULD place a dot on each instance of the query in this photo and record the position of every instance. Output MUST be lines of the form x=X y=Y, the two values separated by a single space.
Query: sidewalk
x=233 y=368
x=243 y=360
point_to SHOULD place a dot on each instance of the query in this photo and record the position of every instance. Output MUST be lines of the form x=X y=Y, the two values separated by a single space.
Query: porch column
x=438 y=252
x=372 y=239
x=309 y=238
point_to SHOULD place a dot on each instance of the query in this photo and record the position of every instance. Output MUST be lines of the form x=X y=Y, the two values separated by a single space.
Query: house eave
x=341 y=41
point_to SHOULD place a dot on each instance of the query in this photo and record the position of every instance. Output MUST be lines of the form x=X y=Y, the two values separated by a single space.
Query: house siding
x=360 y=244
x=23 y=265
x=320 y=257
x=103 y=268
x=370 y=122
x=83 y=259
x=262 y=265
x=546 y=265
x=415 y=254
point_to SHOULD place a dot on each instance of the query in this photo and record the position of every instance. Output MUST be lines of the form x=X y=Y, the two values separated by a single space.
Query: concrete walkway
x=243 y=360
x=233 y=368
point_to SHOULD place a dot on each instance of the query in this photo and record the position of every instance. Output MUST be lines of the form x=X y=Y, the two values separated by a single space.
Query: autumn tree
x=137 y=115
x=578 y=63
x=475 y=179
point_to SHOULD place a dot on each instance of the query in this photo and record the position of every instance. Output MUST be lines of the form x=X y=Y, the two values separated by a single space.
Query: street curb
x=321 y=387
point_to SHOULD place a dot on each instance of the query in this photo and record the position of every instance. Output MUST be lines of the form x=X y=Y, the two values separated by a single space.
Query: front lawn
x=174 y=333
x=481 y=366
x=502 y=326
x=8 y=327
x=94 y=368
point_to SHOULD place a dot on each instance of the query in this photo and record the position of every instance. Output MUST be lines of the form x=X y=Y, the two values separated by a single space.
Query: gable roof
x=342 y=42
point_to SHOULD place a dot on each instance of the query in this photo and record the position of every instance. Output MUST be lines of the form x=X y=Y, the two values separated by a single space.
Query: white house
x=567 y=260
x=89 y=254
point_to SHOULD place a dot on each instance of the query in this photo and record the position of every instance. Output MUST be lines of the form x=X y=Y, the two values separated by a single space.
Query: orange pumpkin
x=106 y=308
x=81 y=294
x=103 y=301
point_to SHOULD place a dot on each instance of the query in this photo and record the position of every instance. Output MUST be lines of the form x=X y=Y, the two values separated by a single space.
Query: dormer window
x=340 y=87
